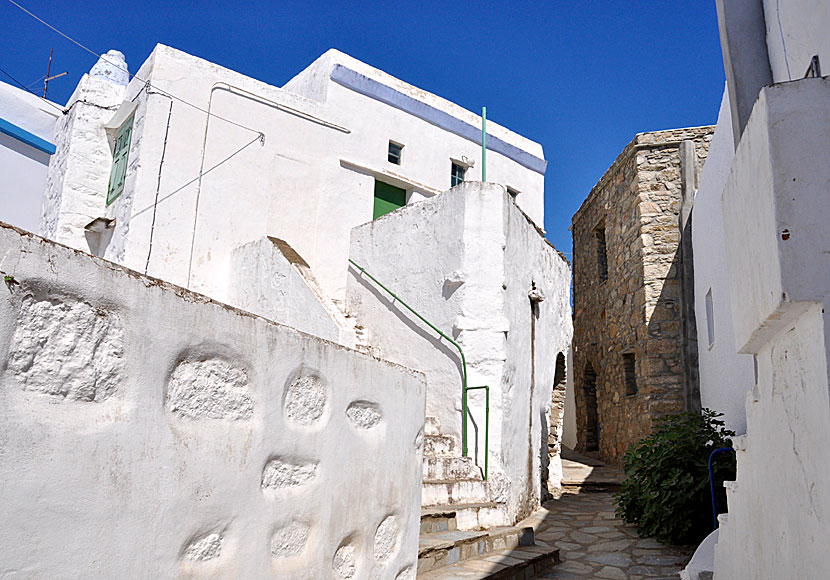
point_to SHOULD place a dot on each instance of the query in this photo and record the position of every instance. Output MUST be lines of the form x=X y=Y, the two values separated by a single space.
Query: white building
x=773 y=193
x=339 y=143
x=272 y=200
x=27 y=124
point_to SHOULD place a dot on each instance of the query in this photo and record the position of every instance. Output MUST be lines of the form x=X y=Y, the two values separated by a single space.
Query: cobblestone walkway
x=594 y=544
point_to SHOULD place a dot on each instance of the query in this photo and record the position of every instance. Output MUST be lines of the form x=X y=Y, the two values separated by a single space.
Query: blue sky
x=582 y=78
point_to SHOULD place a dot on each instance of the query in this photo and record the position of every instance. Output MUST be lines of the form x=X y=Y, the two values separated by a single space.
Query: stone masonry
x=629 y=352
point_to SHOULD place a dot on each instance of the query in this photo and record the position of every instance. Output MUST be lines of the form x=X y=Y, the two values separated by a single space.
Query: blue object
x=386 y=94
x=712 y=484
x=24 y=136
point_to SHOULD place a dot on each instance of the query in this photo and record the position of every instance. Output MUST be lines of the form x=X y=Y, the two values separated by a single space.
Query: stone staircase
x=504 y=552
x=464 y=534
x=455 y=485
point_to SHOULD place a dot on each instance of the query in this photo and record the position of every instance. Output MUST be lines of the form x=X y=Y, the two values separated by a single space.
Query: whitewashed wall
x=308 y=182
x=79 y=171
x=466 y=261
x=796 y=30
x=725 y=375
x=775 y=207
x=23 y=168
x=149 y=432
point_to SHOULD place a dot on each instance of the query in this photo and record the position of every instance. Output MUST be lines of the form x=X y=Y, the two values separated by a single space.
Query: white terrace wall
x=775 y=208
x=467 y=260
x=27 y=126
x=308 y=182
x=725 y=375
x=796 y=30
x=149 y=432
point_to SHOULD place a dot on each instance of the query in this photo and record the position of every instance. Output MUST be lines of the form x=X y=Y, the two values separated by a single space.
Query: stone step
x=436 y=468
x=519 y=563
x=438 y=549
x=453 y=491
x=440 y=446
x=465 y=517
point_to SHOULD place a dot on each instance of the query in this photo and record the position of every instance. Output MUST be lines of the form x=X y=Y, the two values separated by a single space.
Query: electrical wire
x=119 y=67
x=28 y=90
x=201 y=174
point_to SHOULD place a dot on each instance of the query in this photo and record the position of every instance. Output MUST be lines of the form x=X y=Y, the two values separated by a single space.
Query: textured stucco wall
x=149 y=432
x=79 y=171
x=309 y=182
x=467 y=260
x=775 y=205
x=636 y=310
x=725 y=375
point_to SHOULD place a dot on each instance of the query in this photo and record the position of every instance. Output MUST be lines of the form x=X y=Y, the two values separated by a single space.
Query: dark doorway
x=591 y=414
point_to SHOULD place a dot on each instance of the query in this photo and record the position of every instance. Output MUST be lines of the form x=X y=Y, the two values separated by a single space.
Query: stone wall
x=636 y=309
x=149 y=432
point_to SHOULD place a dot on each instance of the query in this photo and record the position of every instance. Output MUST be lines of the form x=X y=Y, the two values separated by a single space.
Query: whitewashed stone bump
x=305 y=398
x=209 y=389
x=364 y=414
x=386 y=538
x=408 y=573
x=289 y=541
x=204 y=548
x=281 y=473
x=67 y=349
x=343 y=562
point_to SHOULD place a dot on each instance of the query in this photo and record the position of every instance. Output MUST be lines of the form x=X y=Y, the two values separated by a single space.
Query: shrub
x=666 y=489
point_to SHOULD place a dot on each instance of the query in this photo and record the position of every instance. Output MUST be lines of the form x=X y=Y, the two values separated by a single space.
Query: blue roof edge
x=364 y=85
x=26 y=137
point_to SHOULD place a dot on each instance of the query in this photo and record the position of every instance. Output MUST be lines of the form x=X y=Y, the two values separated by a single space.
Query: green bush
x=666 y=489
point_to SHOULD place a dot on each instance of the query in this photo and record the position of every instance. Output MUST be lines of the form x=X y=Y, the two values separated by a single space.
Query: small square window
x=395 y=153
x=457 y=174
x=513 y=192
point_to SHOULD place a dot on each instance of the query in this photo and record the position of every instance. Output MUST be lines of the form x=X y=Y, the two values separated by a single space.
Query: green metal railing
x=464 y=387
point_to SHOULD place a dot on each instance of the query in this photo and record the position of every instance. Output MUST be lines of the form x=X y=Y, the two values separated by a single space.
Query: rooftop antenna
x=48 y=72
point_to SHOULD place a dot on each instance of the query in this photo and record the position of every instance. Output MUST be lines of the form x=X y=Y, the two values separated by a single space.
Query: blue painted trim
x=386 y=94
x=24 y=136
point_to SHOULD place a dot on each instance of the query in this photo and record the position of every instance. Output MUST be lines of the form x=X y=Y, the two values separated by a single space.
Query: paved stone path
x=595 y=544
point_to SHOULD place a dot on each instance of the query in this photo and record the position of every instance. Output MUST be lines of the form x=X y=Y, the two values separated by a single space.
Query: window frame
x=390 y=155
x=462 y=168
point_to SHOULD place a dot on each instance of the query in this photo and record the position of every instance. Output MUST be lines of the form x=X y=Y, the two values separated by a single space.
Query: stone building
x=634 y=356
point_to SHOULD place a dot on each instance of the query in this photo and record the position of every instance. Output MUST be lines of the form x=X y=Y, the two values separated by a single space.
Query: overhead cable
x=28 y=90
x=121 y=68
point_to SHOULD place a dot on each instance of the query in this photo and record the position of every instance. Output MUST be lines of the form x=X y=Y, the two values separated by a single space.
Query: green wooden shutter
x=119 y=160
x=387 y=198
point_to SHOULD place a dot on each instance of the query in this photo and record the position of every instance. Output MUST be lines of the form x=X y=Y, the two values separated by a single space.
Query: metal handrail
x=712 y=484
x=464 y=387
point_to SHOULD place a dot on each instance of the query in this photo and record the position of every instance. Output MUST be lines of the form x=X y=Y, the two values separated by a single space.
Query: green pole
x=483 y=143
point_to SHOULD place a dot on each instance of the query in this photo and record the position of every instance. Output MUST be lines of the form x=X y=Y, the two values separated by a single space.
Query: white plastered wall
x=796 y=30
x=775 y=206
x=725 y=375
x=149 y=432
x=23 y=168
x=466 y=260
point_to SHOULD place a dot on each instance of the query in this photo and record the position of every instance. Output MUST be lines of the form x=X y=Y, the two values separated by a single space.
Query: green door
x=387 y=198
